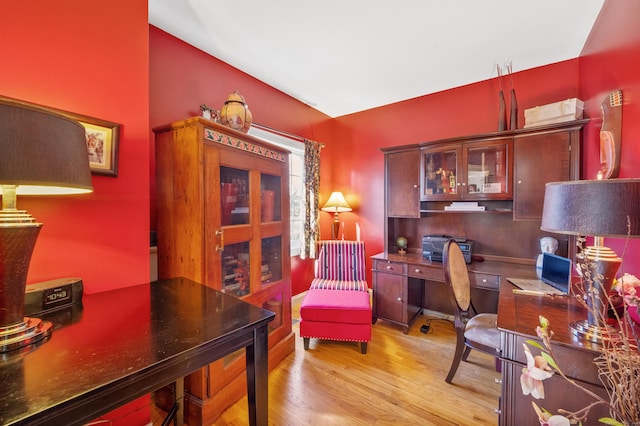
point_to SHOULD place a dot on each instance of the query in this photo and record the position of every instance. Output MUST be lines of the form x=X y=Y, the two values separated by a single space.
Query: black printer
x=432 y=246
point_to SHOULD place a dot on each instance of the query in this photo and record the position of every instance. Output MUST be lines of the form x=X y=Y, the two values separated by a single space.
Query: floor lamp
x=596 y=208
x=336 y=204
x=41 y=153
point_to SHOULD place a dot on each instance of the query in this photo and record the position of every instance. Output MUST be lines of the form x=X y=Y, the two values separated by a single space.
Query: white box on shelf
x=557 y=112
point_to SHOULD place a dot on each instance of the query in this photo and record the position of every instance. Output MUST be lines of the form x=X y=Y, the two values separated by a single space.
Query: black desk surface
x=119 y=345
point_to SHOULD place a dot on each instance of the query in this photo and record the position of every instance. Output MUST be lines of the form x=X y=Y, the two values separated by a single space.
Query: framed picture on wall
x=102 y=139
x=102 y=143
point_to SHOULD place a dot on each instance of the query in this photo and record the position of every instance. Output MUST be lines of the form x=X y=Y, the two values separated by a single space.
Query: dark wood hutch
x=505 y=173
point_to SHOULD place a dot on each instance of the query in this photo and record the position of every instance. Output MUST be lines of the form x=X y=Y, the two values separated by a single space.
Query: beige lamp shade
x=336 y=204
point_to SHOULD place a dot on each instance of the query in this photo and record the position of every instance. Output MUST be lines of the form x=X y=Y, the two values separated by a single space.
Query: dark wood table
x=120 y=345
x=518 y=317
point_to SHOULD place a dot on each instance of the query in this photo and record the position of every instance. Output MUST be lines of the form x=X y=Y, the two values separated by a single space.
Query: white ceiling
x=345 y=56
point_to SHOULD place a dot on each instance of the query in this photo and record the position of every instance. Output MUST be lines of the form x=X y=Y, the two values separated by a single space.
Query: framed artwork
x=102 y=143
x=102 y=139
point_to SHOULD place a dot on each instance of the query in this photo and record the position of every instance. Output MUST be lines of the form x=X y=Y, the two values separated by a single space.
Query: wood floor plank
x=400 y=381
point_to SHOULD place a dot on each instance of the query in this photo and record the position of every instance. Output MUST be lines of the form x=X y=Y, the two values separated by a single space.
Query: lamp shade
x=336 y=203
x=593 y=208
x=42 y=152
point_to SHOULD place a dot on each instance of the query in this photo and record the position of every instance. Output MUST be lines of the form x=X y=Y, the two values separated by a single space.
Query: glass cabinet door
x=270 y=198
x=487 y=170
x=234 y=196
x=440 y=173
x=271 y=266
x=236 y=277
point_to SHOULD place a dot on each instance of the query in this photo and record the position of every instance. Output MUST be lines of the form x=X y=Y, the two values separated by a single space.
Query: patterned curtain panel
x=311 y=188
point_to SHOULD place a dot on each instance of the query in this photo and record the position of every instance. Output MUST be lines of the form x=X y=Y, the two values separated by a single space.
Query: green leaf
x=549 y=360
x=610 y=421
x=535 y=344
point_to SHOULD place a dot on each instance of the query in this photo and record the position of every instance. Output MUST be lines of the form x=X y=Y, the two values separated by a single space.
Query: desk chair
x=473 y=331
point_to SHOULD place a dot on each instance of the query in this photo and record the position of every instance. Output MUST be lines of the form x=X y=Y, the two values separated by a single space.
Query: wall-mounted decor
x=102 y=143
x=102 y=139
x=611 y=135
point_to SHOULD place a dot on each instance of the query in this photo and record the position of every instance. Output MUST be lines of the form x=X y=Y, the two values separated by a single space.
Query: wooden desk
x=517 y=320
x=405 y=284
x=122 y=344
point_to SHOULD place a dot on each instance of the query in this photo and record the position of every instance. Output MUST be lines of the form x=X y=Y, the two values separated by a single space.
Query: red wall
x=609 y=61
x=89 y=58
x=182 y=78
x=359 y=166
x=100 y=67
x=351 y=159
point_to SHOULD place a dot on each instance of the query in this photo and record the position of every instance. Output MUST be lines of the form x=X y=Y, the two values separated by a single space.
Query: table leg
x=257 y=377
x=179 y=389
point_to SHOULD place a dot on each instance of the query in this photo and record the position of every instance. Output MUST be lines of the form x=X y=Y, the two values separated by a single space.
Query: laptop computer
x=555 y=279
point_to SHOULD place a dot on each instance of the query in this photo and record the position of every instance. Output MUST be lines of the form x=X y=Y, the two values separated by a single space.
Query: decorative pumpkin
x=235 y=113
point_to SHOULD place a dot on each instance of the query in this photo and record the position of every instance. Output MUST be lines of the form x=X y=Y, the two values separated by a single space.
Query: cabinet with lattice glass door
x=223 y=220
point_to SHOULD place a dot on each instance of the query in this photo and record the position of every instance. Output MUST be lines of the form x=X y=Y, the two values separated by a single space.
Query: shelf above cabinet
x=490 y=206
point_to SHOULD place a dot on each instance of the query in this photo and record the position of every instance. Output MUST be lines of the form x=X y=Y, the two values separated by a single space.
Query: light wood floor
x=400 y=381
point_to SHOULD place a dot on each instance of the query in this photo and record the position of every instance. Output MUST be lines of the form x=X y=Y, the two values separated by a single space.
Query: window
x=296 y=179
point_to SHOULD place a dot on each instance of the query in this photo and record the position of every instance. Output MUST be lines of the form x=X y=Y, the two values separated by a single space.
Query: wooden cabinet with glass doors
x=479 y=170
x=223 y=220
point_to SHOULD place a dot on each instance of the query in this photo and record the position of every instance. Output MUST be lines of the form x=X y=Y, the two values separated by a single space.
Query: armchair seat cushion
x=329 y=284
x=336 y=306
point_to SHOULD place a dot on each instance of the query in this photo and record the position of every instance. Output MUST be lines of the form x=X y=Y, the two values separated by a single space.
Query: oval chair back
x=473 y=331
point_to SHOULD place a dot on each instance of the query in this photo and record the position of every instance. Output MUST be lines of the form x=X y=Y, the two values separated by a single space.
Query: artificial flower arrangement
x=618 y=364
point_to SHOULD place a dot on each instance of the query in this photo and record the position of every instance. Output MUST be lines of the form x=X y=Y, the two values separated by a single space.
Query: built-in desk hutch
x=223 y=221
x=488 y=188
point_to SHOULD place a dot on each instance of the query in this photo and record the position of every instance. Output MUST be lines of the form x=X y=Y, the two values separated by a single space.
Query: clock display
x=56 y=296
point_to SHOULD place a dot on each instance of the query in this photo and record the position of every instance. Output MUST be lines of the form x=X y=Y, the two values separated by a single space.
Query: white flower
x=533 y=374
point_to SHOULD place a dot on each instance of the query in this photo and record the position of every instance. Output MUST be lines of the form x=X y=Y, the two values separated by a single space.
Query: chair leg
x=363 y=347
x=465 y=355
x=460 y=348
x=306 y=343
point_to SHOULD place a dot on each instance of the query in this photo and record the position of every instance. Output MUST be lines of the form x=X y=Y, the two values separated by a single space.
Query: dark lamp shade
x=596 y=208
x=42 y=152
x=336 y=203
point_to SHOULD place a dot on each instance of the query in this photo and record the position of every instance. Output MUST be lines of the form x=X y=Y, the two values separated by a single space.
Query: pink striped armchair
x=337 y=305
x=340 y=265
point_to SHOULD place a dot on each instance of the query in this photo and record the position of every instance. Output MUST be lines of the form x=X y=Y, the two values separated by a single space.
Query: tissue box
x=558 y=112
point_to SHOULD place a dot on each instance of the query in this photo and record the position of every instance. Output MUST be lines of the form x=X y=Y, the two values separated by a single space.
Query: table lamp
x=336 y=204
x=41 y=153
x=596 y=208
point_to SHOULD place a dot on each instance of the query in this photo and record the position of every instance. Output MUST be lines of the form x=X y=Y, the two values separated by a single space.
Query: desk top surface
x=504 y=269
x=118 y=336
x=519 y=314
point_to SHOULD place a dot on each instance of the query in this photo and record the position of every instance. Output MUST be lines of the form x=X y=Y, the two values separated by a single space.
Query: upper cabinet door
x=489 y=167
x=441 y=173
x=540 y=158
x=468 y=171
x=403 y=183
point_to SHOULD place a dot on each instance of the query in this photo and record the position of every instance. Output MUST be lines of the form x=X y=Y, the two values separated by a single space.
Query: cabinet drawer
x=431 y=273
x=389 y=267
x=485 y=280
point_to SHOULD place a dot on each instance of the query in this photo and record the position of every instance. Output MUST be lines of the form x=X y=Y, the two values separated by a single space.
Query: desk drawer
x=389 y=267
x=489 y=281
x=431 y=273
